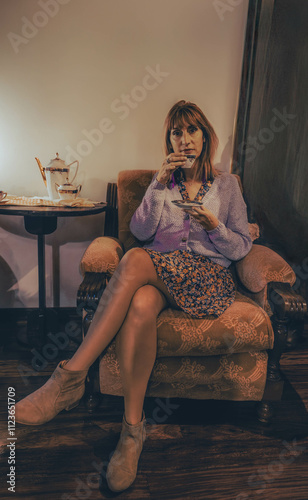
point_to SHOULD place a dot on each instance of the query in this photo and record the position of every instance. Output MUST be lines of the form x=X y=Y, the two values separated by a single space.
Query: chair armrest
x=102 y=256
x=262 y=266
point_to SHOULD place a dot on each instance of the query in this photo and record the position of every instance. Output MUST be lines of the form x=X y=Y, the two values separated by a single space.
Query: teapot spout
x=42 y=171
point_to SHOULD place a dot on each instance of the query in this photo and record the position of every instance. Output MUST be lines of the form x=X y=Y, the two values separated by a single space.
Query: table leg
x=41 y=270
x=56 y=273
x=39 y=323
x=41 y=284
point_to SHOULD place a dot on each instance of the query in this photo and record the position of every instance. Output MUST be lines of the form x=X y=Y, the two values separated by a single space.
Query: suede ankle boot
x=63 y=390
x=122 y=468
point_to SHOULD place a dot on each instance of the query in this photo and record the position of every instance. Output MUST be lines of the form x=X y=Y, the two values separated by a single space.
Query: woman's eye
x=192 y=130
x=176 y=132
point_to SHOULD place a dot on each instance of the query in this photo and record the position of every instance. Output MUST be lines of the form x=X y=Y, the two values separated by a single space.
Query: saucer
x=187 y=204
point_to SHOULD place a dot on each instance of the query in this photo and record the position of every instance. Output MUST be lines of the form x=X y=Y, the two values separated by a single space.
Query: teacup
x=189 y=162
x=2 y=195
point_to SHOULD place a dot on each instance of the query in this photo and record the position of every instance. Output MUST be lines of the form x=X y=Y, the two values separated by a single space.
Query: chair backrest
x=132 y=185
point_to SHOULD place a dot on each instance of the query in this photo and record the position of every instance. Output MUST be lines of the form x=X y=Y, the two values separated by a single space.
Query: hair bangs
x=183 y=117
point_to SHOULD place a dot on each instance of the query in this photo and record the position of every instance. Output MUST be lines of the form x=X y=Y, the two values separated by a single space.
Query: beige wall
x=65 y=70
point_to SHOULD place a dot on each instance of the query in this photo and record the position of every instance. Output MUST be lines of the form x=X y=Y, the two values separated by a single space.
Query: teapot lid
x=58 y=164
x=57 y=158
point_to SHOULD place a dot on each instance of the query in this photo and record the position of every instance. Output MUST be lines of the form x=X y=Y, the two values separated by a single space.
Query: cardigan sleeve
x=145 y=220
x=232 y=239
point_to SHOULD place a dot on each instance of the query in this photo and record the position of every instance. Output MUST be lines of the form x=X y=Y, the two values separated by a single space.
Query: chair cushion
x=212 y=358
x=239 y=377
x=243 y=327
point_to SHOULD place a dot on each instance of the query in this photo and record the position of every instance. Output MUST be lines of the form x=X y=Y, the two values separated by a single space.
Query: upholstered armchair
x=233 y=357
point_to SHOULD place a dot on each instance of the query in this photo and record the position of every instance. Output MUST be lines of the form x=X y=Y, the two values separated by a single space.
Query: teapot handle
x=42 y=170
x=77 y=166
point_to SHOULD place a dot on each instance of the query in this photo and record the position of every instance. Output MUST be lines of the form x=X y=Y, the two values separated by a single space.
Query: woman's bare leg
x=136 y=345
x=135 y=270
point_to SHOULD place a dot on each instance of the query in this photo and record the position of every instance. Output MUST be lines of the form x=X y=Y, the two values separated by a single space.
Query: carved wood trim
x=287 y=306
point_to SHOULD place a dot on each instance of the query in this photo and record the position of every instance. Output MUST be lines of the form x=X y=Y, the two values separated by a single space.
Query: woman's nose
x=185 y=138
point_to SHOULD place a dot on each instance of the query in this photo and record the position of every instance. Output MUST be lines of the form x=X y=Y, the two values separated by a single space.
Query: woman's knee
x=137 y=266
x=147 y=303
x=136 y=257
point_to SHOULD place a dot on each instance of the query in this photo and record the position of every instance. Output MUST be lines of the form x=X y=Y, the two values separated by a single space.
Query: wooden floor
x=203 y=450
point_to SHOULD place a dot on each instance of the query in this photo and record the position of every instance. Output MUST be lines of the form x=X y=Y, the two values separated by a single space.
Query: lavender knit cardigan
x=165 y=227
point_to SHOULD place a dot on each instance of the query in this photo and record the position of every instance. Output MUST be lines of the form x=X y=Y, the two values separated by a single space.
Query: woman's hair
x=183 y=114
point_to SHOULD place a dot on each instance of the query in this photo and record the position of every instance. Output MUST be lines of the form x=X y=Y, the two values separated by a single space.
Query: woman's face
x=187 y=139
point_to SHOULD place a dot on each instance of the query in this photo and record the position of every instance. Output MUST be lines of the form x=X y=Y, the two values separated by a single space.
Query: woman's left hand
x=204 y=216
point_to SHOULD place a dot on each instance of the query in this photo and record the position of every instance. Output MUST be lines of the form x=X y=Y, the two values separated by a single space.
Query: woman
x=183 y=264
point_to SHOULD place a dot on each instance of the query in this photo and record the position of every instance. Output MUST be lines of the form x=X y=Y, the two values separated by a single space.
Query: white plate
x=187 y=204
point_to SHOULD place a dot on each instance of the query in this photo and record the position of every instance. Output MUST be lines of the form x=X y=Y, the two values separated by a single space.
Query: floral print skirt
x=199 y=286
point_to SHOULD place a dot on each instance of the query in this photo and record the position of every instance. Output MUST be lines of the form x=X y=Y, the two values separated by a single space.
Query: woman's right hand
x=171 y=163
